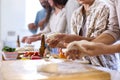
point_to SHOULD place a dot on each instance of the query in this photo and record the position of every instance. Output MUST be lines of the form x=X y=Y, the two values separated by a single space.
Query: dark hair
x=61 y=3
x=49 y=10
x=58 y=3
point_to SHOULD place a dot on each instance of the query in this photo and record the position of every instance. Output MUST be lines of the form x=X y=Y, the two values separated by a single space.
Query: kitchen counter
x=27 y=70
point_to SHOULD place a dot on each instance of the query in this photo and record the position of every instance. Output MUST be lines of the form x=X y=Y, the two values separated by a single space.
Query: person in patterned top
x=88 y=22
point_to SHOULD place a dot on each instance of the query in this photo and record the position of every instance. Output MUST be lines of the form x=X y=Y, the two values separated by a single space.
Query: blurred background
x=14 y=18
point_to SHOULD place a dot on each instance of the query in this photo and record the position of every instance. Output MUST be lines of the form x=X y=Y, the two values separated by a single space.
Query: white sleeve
x=46 y=29
x=73 y=24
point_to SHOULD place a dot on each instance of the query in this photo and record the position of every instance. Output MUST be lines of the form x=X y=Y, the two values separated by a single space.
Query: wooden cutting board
x=27 y=70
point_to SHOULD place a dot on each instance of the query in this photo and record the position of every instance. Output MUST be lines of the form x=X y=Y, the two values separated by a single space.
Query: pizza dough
x=77 y=45
x=25 y=48
x=48 y=67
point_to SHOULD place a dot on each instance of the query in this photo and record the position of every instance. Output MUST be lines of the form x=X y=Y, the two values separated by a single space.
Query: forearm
x=70 y=38
x=88 y=38
x=85 y=38
x=104 y=38
x=115 y=48
x=38 y=37
x=111 y=49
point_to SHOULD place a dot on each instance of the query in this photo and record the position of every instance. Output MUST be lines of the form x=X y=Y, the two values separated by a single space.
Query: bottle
x=18 y=41
x=42 y=47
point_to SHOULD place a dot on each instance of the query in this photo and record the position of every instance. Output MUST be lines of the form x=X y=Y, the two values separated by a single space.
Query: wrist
x=113 y=48
x=117 y=47
x=88 y=38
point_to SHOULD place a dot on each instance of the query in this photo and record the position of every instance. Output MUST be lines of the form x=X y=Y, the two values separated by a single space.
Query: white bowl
x=10 y=55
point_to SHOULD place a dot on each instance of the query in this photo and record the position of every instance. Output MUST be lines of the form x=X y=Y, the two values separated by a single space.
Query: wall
x=12 y=17
x=32 y=7
x=0 y=19
x=15 y=15
x=0 y=34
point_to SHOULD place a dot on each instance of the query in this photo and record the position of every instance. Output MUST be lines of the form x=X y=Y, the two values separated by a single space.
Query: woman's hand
x=94 y=49
x=24 y=39
x=79 y=49
x=55 y=40
x=41 y=24
x=74 y=50
x=61 y=39
x=29 y=40
x=73 y=54
x=85 y=48
x=32 y=26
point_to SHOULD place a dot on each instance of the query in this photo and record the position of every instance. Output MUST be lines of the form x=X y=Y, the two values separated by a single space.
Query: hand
x=41 y=24
x=94 y=49
x=58 y=44
x=32 y=26
x=29 y=40
x=57 y=39
x=54 y=40
x=52 y=43
x=72 y=54
x=62 y=44
x=67 y=38
x=73 y=50
x=24 y=39
x=76 y=50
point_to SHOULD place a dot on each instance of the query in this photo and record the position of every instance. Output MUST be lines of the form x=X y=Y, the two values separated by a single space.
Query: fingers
x=60 y=36
x=72 y=54
x=55 y=40
x=65 y=44
x=31 y=26
x=23 y=39
x=56 y=43
x=61 y=44
x=27 y=40
x=87 y=46
x=53 y=43
x=88 y=49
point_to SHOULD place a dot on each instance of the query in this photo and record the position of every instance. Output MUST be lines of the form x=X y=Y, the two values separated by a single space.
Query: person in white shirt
x=95 y=21
x=57 y=22
x=89 y=20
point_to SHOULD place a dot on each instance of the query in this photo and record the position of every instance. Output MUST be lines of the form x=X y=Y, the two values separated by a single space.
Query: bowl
x=10 y=55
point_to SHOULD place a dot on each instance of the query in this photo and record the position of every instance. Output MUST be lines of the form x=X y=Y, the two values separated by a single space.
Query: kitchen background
x=14 y=18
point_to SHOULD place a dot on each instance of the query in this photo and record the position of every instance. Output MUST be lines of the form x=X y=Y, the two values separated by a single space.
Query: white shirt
x=70 y=7
x=57 y=23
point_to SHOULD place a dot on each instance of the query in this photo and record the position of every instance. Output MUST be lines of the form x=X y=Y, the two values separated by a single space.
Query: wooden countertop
x=27 y=70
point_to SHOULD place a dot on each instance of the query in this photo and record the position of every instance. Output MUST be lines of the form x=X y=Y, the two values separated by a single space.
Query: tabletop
x=27 y=70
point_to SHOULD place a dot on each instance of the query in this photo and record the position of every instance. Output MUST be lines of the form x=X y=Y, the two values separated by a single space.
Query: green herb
x=8 y=49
